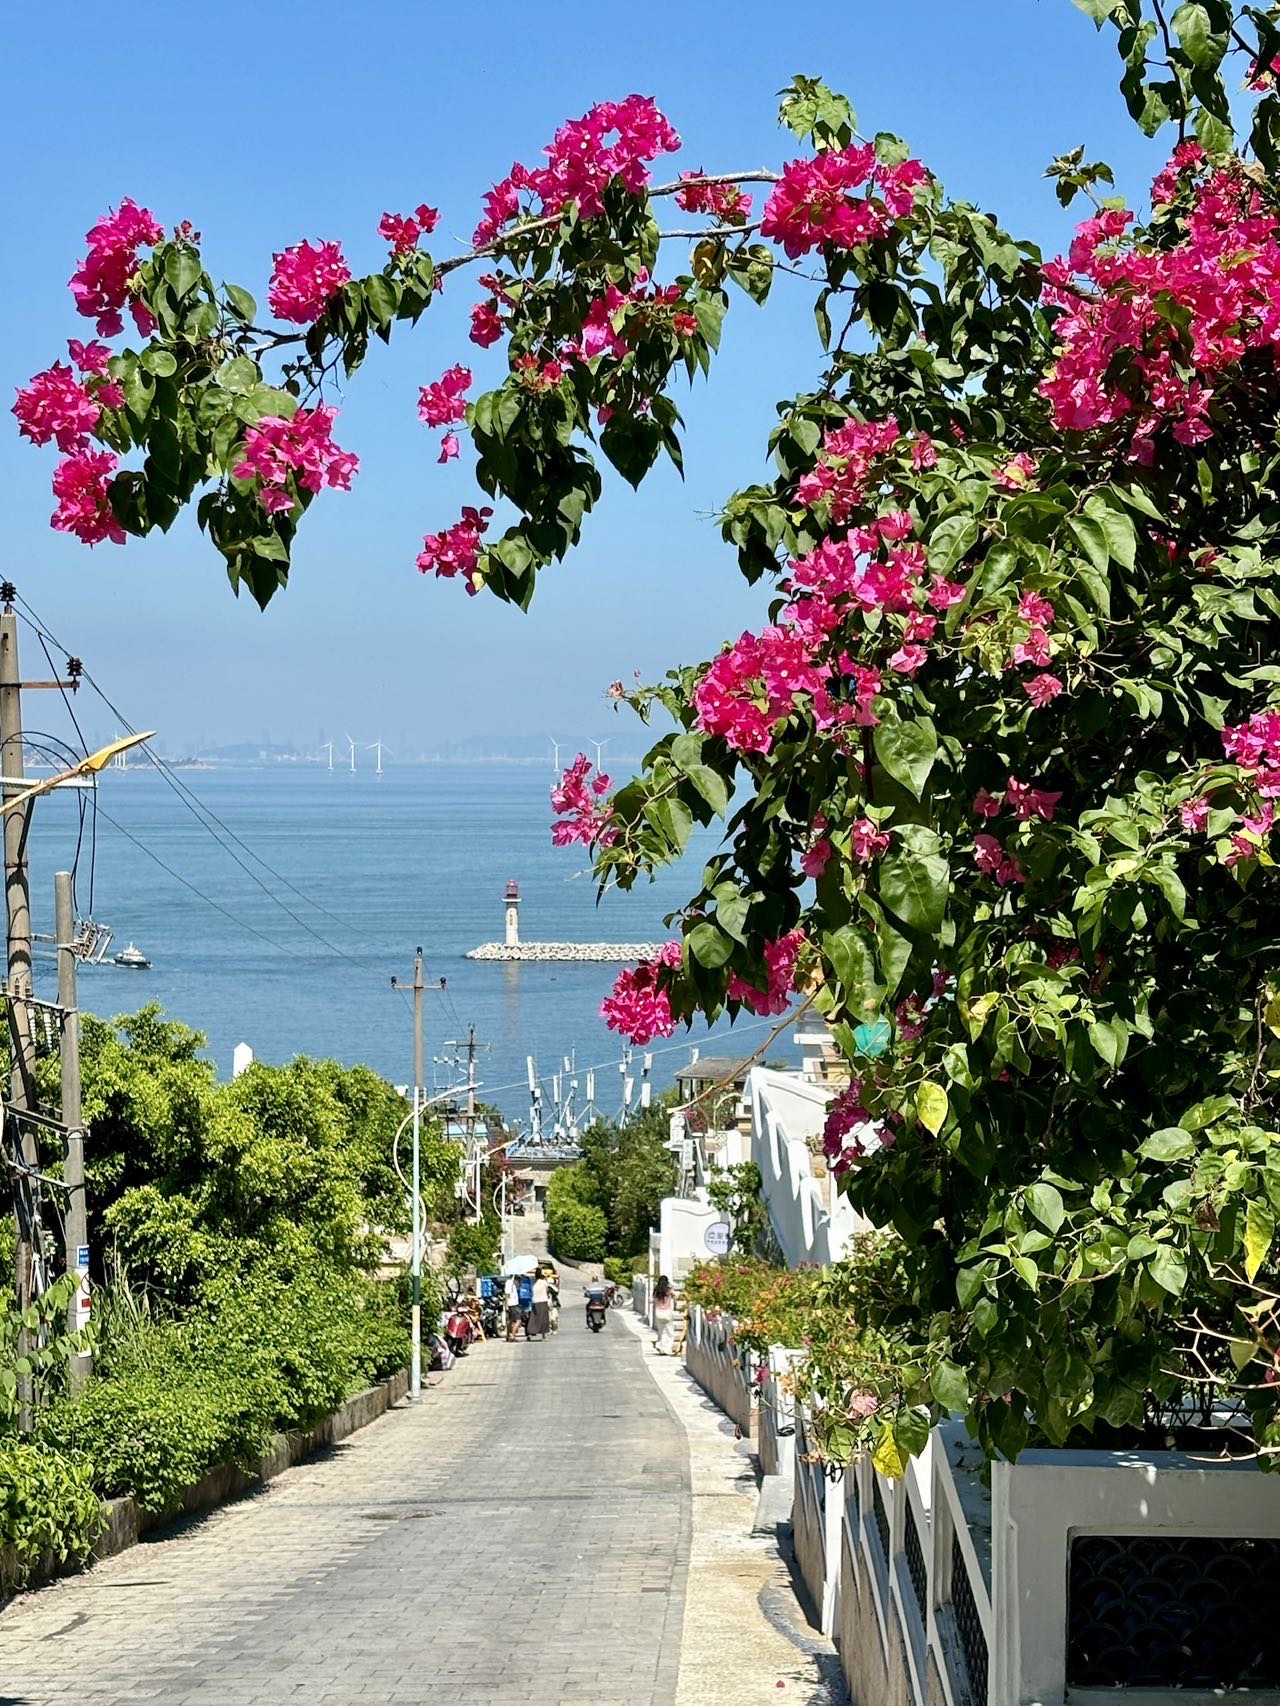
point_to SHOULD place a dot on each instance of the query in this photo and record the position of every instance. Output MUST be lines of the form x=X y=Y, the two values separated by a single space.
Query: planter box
x=126 y=1522
x=1078 y=1577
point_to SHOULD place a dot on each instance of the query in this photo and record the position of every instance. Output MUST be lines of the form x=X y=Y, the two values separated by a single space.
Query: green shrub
x=576 y=1232
x=474 y=1246
x=47 y=1505
x=620 y=1269
x=177 y=1398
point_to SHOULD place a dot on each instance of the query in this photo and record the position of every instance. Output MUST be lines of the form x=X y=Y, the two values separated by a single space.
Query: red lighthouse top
x=513 y=890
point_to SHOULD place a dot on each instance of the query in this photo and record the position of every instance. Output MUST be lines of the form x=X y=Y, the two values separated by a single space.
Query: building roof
x=712 y=1068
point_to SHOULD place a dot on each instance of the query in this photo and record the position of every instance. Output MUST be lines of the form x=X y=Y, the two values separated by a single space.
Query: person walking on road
x=511 y=1294
x=540 y=1322
x=664 y=1316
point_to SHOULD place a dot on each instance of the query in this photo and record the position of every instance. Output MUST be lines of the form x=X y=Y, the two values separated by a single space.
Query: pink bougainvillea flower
x=575 y=799
x=90 y=357
x=80 y=485
x=105 y=279
x=1035 y=649
x=456 y=551
x=814 y=860
x=305 y=279
x=923 y=454
x=403 y=230
x=301 y=447
x=866 y=842
x=908 y=659
x=1030 y=802
x=1042 y=689
x=442 y=403
x=944 y=593
x=780 y=964
x=486 y=326
x=725 y=202
x=814 y=204
x=56 y=405
x=985 y=804
x=613 y=143
x=110 y=396
x=1036 y=611
x=1017 y=473
x=638 y=1006
x=449 y=447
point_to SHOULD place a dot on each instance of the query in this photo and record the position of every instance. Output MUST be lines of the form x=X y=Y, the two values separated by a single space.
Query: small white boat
x=134 y=957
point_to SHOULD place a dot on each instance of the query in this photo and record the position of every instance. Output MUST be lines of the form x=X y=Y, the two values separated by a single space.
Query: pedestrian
x=540 y=1325
x=664 y=1316
x=511 y=1296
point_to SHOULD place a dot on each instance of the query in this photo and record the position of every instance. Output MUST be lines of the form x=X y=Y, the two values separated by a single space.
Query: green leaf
x=907 y=750
x=914 y=886
x=1110 y=1039
x=1195 y=34
x=241 y=304
x=1098 y=10
x=951 y=540
x=1170 y=1144
x=1092 y=540
x=1045 y=1202
x=932 y=1106
x=1026 y=1270
x=160 y=362
x=1214 y=137
x=1259 y=1229
x=383 y=296
x=239 y=375
x=711 y=785
x=1168 y=1268
x=709 y=945
x=950 y=1386
x=1117 y=529
x=182 y=269
x=852 y=961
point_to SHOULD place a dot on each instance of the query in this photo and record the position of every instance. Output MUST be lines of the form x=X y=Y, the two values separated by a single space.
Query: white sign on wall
x=717 y=1237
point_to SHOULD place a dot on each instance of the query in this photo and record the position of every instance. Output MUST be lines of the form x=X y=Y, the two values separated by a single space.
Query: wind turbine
x=600 y=746
x=352 y=745
x=555 y=753
x=378 y=747
x=327 y=746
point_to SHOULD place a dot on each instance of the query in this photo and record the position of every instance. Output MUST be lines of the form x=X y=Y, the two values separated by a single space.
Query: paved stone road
x=522 y=1537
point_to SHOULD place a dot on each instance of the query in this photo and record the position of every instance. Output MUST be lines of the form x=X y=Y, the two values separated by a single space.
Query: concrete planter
x=126 y=1522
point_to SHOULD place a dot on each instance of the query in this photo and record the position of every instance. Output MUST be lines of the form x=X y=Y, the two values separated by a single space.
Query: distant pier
x=562 y=953
x=565 y=952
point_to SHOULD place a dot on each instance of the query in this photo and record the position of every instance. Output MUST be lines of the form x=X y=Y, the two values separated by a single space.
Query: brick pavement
x=522 y=1537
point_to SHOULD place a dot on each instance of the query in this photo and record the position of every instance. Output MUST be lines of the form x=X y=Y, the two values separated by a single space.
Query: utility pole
x=22 y=1095
x=475 y=1157
x=415 y=1266
x=77 y=1222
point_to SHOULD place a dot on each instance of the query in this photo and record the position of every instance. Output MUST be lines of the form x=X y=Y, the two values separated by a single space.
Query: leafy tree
x=1011 y=712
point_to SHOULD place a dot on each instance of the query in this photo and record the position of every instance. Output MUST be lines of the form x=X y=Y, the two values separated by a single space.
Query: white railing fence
x=724 y=1372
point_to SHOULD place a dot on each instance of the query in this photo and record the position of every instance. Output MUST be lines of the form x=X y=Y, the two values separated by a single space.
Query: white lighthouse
x=513 y=914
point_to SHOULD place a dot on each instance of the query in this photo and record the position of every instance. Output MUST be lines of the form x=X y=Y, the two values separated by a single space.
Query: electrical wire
x=208 y=818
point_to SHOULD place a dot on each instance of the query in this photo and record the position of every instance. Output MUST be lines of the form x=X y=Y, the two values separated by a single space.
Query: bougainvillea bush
x=1004 y=747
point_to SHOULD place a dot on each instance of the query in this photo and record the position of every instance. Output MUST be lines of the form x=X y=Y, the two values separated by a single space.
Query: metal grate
x=973 y=1643
x=880 y=1514
x=1163 y=1612
x=915 y=1561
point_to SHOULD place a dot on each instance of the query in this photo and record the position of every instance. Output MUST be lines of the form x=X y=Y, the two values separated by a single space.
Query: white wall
x=785 y=1111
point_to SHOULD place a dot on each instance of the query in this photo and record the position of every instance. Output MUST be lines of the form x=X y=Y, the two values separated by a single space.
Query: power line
x=206 y=817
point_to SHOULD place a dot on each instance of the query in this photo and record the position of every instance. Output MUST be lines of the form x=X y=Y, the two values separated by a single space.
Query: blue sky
x=264 y=124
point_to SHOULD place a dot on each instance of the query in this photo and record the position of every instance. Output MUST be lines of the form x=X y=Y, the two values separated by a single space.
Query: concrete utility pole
x=77 y=1222
x=22 y=1093
x=415 y=1266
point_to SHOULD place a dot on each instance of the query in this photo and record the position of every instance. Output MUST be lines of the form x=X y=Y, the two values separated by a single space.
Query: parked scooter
x=460 y=1331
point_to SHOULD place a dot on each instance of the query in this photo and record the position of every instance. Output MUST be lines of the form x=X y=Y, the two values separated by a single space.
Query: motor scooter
x=460 y=1331
x=597 y=1306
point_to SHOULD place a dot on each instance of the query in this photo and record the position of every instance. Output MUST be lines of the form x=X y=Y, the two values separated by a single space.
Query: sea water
x=298 y=958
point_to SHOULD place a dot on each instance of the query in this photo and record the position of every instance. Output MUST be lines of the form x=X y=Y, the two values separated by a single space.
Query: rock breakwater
x=566 y=952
